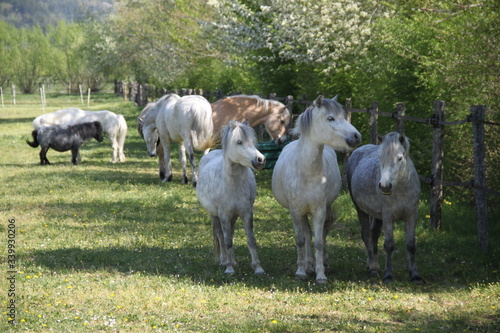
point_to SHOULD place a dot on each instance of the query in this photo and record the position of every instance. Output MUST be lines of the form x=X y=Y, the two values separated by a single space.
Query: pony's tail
x=35 y=143
x=203 y=129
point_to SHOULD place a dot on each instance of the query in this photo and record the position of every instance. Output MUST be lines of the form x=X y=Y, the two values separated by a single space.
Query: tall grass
x=104 y=247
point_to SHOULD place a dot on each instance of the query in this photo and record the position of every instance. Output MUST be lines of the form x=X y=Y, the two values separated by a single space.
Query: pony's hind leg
x=318 y=222
x=227 y=224
x=192 y=161
x=75 y=155
x=367 y=236
x=389 y=247
x=43 y=156
x=252 y=243
x=303 y=242
x=114 y=145
x=182 y=158
x=219 y=248
x=411 y=248
x=329 y=221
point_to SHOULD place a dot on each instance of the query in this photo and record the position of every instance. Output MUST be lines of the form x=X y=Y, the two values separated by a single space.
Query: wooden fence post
x=478 y=112
x=373 y=123
x=13 y=94
x=436 y=198
x=346 y=155
x=400 y=112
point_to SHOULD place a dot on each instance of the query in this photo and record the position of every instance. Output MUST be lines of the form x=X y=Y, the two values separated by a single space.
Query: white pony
x=227 y=189
x=146 y=125
x=306 y=179
x=188 y=122
x=113 y=125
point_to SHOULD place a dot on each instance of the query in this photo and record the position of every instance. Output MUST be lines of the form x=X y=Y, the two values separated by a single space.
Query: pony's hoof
x=321 y=281
x=388 y=279
x=417 y=280
x=301 y=276
x=229 y=270
x=259 y=271
x=373 y=273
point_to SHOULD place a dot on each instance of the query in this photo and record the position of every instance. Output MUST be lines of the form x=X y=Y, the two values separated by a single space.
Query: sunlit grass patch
x=107 y=247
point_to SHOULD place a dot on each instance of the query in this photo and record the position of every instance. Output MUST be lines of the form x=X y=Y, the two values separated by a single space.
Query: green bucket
x=271 y=152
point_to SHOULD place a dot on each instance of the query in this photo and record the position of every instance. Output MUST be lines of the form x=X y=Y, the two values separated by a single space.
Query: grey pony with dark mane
x=64 y=138
x=385 y=187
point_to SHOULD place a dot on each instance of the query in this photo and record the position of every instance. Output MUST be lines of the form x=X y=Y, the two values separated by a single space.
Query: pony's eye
x=330 y=118
x=239 y=142
x=400 y=158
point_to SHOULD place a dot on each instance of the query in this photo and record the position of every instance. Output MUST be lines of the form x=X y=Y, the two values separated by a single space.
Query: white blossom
x=312 y=31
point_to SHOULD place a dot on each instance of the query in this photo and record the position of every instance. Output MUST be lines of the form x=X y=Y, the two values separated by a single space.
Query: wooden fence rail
x=140 y=94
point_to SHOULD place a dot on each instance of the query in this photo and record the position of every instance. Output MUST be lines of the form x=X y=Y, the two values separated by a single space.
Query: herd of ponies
x=382 y=180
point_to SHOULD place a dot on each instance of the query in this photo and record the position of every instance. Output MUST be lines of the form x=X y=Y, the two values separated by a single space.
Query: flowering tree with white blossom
x=323 y=33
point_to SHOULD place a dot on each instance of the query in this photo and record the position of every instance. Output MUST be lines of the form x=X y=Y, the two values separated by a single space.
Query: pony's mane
x=246 y=133
x=303 y=123
x=390 y=144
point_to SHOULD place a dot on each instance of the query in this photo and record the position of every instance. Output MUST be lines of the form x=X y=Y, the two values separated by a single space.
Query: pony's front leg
x=182 y=159
x=165 y=142
x=227 y=224
x=252 y=243
x=318 y=221
x=301 y=227
x=389 y=247
x=161 y=160
x=411 y=247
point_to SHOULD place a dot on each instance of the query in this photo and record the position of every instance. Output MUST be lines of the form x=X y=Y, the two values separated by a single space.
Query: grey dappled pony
x=385 y=187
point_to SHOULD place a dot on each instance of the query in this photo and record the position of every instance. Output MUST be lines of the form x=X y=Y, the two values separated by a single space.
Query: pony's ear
x=402 y=138
x=245 y=122
x=335 y=98
x=380 y=138
x=319 y=101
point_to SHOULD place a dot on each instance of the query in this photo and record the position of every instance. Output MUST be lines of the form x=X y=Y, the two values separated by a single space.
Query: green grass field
x=103 y=247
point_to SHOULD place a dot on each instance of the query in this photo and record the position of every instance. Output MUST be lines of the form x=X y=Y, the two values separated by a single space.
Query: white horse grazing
x=385 y=187
x=188 y=122
x=227 y=189
x=306 y=179
x=113 y=125
x=146 y=125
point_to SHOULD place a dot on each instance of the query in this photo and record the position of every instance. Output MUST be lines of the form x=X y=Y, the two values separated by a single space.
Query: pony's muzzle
x=354 y=140
x=259 y=162
x=279 y=141
x=386 y=190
